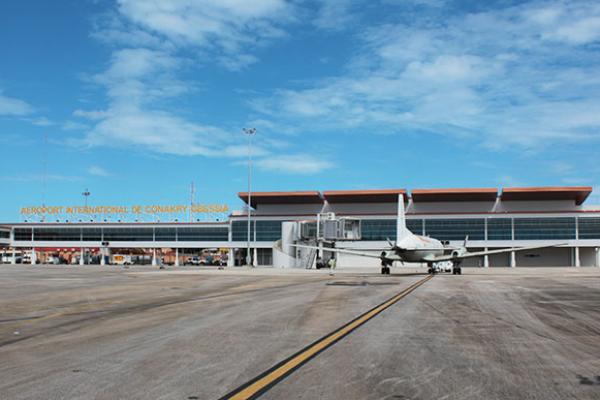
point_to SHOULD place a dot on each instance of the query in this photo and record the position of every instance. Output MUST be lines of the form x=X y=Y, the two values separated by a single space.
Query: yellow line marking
x=279 y=373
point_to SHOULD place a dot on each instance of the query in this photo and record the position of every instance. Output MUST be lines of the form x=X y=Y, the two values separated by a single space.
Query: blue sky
x=136 y=99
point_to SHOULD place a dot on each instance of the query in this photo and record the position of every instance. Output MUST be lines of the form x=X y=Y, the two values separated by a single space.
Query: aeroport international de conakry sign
x=123 y=210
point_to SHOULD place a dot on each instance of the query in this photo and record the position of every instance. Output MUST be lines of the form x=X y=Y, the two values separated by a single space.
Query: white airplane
x=409 y=247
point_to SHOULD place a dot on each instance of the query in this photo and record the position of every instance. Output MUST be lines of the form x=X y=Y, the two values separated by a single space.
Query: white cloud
x=294 y=164
x=40 y=178
x=334 y=14
x=74 y=126
x=41 y=121
x=96 y=170
x=226 y=27
x=153 y=42
x=501 y=77
x=92 y=114
x=14 y=107
x=157 y=131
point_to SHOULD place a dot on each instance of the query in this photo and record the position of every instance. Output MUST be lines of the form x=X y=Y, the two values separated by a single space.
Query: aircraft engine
x=459 y=252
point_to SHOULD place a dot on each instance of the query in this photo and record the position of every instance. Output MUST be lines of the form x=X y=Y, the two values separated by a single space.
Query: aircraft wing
x=450 y=257
x=345 y=251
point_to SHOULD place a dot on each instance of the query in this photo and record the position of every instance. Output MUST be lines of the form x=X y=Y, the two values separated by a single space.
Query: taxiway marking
x=263 y=382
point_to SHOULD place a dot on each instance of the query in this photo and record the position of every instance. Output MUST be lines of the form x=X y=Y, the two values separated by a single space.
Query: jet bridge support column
x=486 y=260
x=176 y=256
x=597 y=256
x=13 y=260
x=513 y=259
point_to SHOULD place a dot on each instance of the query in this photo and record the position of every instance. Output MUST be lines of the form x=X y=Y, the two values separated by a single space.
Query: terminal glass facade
x=24 y=234
x=378 y=229
x=268 y=231
x=544 y=228
x=239 y=230
x=499 y=229
x=128 y=234
x=415 y=226
x=57 y=234
x=91 y=234
x=455 y=229
x=165 y=234
x=589 y=228
x=4 y=234
x=204 y=234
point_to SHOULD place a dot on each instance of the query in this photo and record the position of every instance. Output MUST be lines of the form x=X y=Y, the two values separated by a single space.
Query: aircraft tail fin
x=401 y=229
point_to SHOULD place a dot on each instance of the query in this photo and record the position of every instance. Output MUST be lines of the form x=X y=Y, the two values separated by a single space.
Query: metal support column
x=177 y=257
x=576 y=259
x=513 y=259
x=13 y=261
x=486 y=260
x=231 y=258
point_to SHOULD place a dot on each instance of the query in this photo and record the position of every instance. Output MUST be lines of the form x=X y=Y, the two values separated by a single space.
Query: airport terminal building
x=490 y=218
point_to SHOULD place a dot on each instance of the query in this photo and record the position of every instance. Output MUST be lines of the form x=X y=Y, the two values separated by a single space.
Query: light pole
x=250 y=132
x=86 y=194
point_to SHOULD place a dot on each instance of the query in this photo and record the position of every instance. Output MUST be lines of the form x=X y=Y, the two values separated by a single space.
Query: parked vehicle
x=121 y=259
x=7 y=258
x=195 y=260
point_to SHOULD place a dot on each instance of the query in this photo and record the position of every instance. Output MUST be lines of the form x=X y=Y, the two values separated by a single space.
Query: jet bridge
x=322 y=232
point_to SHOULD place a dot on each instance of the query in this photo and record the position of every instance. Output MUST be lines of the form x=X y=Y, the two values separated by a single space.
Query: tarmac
x=70 y=332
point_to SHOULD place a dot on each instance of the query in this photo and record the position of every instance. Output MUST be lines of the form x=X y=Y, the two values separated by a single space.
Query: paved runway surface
x=83 y=332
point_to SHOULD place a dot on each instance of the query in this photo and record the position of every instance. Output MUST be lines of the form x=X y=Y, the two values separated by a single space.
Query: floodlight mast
x=250 y=132
x=85 y=195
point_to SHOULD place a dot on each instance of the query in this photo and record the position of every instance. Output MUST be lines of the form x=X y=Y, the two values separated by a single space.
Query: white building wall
x=587 y=255
x=549 y=257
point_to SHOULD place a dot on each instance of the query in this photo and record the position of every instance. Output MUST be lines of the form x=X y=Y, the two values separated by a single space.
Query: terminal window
x=23 y=234
x=268 y=230
x=378 y=229
x=384 y=229
x=165 y=234
x=499 y=229
x=128 y=234
x=57 y=234
x=239 y=230
x=203 y=234
x=544 y=228
x=589 y=228
x=455 y=229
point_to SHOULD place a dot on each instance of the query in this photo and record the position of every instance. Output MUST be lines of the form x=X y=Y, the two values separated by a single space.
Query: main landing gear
x=456 y=269
x=385 y=264
x=430 y=269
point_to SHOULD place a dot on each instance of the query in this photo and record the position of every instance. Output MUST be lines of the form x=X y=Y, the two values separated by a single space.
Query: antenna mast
x=192 y=200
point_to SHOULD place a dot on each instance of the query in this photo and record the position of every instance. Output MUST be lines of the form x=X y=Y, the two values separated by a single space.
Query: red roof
x=301 y=197
x=363 y=196
x=475 y=194
x=576 y=193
